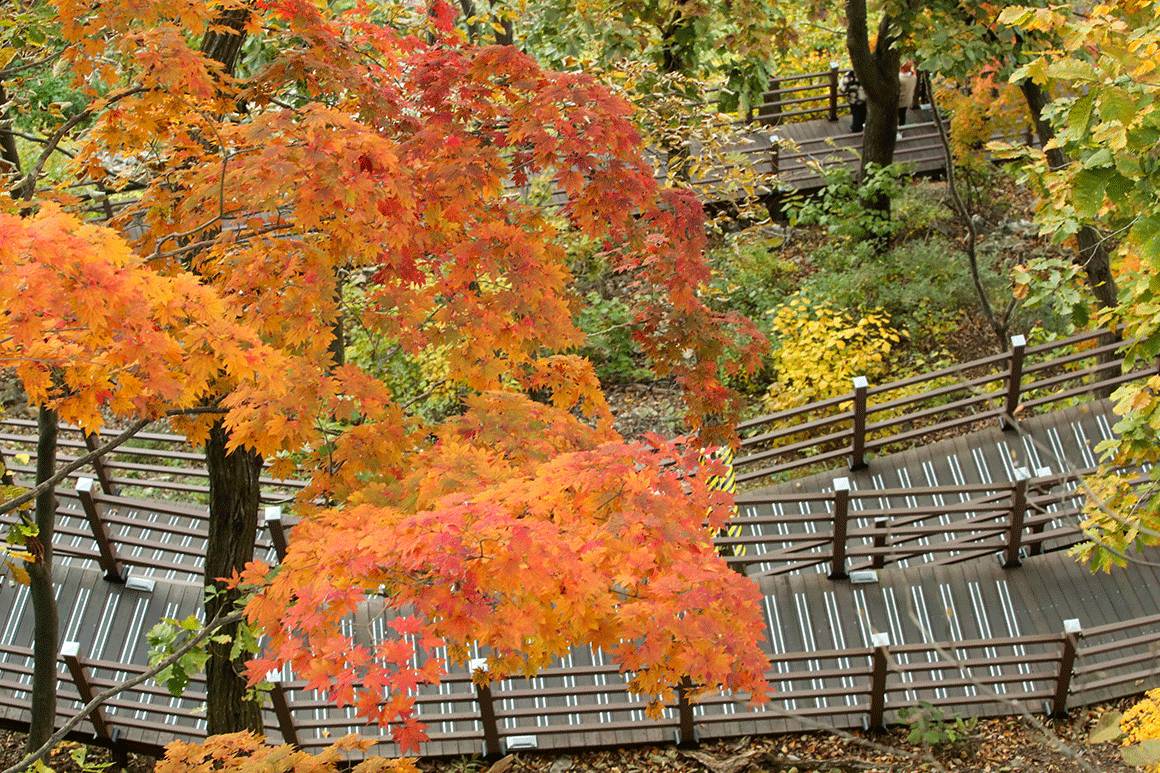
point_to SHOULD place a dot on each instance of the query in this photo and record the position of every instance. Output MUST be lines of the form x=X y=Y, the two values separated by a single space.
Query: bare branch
x=28 y=184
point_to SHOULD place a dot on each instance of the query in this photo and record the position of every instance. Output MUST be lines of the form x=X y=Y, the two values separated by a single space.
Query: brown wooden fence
x=582 y=706
x=151 y=463
x=884 y=418
x=845 y=531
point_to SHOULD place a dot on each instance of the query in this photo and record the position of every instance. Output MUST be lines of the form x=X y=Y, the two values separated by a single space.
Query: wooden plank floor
x=801 y=146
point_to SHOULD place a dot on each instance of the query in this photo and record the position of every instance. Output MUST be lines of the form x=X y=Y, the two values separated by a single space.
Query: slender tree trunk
x=1092 y=255
x=9 y=155
x=46 y=633
x=877 y=71
x=233 y=496
x=233 y=523
x=673 y=62
x=1000 y=326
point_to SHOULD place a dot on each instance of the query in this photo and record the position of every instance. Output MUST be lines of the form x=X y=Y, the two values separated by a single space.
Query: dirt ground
x=1005 y=745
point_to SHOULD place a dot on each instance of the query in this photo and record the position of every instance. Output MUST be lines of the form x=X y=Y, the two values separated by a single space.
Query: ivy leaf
x=1087 y=193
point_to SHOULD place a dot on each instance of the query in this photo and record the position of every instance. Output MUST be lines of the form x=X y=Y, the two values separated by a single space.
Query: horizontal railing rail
x=846 y=531
x=150 y=460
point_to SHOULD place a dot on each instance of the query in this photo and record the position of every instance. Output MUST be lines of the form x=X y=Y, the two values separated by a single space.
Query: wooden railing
x=564 y=708
x=901 y=414
x=808 y=96
x=842 y=531
x=151 y=462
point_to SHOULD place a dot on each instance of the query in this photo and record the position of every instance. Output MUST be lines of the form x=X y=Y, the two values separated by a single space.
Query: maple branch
x=29 y=181
x=109 y=692
x=221 y=215
x=195 y=246
x=34 y=138
x=10 y=71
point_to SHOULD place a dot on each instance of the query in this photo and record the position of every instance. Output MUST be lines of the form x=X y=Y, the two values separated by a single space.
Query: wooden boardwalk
x=973 y=636
x=946 y=502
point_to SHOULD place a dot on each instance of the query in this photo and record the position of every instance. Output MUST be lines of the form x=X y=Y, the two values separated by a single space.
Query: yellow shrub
x=821 y=348
x=1142 y=723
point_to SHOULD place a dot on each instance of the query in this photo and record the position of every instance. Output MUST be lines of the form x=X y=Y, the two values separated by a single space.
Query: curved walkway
x=972 y=636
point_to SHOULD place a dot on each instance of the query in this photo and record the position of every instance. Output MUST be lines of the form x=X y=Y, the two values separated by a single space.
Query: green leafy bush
x=749 y=274
x=845 y=207
x=930 y=727
x=607 y=324
x=922 y=285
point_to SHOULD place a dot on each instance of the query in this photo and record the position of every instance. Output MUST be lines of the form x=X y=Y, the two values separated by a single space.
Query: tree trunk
x=9 y=155
x=233 y=523
x=46 y=633
x=877 y=71
x=1091 y=255
x=233 y=496
x=224 y=46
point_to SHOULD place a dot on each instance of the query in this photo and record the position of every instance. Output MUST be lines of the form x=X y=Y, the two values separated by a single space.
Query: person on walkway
x=856 y=97
x=907 y=83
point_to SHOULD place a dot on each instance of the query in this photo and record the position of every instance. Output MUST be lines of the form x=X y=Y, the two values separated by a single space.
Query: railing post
x=491 y=745
x=879 y=558
x=92 y=442
x=833 y=91
x=76 y=670
x=1037 y=548
x=880 y=660
x=774 y=112
x=1014 y=382
x=841 y=519
x=282 y=709
x=774 y=154
x=1071 y=633
x=686 y=732
x=106 y=553
x=1018 y=515
x=272 y=515
x=858 y=435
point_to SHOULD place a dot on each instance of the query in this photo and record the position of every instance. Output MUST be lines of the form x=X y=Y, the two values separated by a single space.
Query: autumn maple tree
x=345 y=152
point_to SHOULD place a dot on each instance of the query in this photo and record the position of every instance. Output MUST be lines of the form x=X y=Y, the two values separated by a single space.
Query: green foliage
x=164 y=639
x=919 y=210
x=845 y=206
x=929 y=726
x=922 y=285
x=607 y=323
x=79 y=757
x=1055 y=284
x=749 y=273
x=1107 y=125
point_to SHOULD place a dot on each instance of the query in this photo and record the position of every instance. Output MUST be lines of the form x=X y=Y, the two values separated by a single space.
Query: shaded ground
x=994 y=746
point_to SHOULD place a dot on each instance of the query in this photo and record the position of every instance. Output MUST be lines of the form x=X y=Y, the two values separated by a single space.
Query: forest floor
x=1005 y=745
